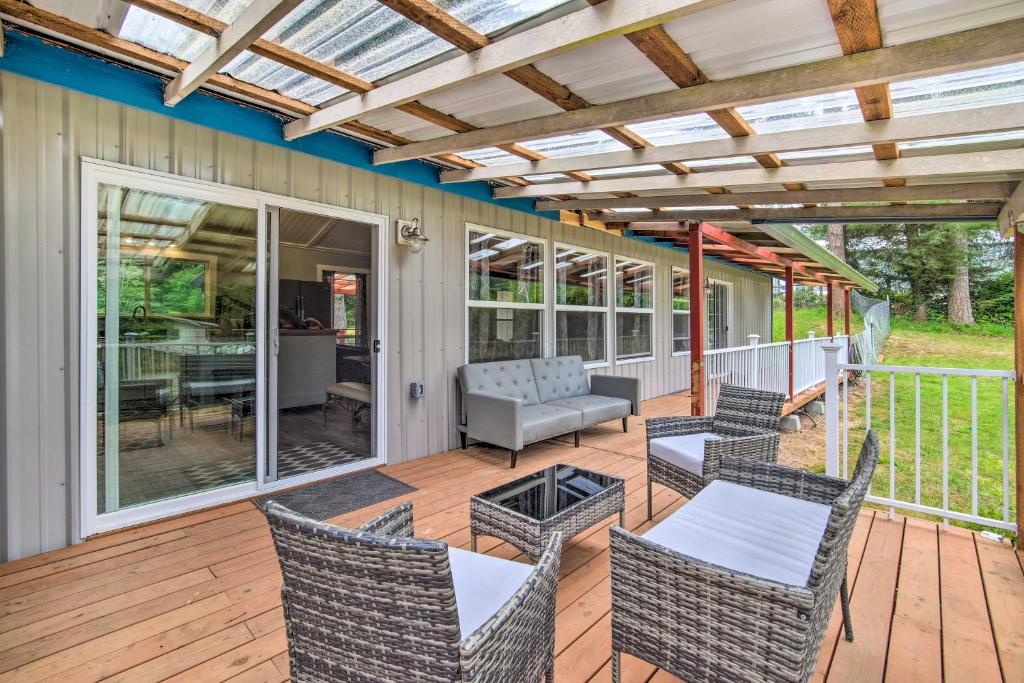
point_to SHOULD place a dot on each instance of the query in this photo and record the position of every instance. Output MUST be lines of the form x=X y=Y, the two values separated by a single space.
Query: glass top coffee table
x=565 y=498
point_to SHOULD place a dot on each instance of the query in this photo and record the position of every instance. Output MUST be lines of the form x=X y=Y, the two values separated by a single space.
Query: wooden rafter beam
x=859 y=30
x=253 y=22
x=995 y=162
x=764 y=255
x=584 y=26
x=996 y=44
x=950 y=191
x=921 y=213
x=1012 y=213
x=994 y=119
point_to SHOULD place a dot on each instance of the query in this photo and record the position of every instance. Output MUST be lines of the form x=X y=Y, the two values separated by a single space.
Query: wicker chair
x=375 y=604
x=684 y=610
x=745 y=424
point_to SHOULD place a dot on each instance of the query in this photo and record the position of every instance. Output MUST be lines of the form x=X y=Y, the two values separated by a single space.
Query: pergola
x=710 y=125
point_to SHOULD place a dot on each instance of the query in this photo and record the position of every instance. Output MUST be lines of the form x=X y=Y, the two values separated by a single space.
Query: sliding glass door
x=175 y=335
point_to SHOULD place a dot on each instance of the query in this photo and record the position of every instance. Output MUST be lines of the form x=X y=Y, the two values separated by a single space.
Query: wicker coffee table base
x=531 y=535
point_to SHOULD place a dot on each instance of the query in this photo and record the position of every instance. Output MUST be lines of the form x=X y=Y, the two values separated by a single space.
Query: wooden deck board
x=195 y=598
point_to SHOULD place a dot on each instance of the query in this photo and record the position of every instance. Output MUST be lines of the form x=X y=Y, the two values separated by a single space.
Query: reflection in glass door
x=320 y=369
x=175 y=346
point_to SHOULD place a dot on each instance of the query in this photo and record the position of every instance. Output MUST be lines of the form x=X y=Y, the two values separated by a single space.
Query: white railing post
x=810 y=335
x=755 y=382
x=831 y=409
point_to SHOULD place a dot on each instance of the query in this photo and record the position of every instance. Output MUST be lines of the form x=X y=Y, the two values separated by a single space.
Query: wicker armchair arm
x=658 y=427
x=762 y=447
x=395 y=522
x=517 y=643
x=787 y=481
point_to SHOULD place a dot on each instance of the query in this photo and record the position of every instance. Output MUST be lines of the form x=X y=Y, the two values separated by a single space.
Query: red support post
x=789 y=325
x=846 y=310
x=829 y=328
x=696 y=247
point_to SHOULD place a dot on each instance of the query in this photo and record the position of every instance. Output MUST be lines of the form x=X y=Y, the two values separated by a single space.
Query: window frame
x=471 y=303
x=673 y=312
x=609 y=344
x=651 y=311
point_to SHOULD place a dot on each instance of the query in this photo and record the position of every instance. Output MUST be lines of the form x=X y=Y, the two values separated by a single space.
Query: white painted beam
x=996 y=162
x=927 y=126
x=995 y=44
x=853 y=214
x=587 y=25
x=950 y=191
x=257 y=19
x=1013 y=212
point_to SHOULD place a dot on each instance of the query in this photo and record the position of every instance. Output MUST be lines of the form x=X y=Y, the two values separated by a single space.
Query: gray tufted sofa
x=518 y=402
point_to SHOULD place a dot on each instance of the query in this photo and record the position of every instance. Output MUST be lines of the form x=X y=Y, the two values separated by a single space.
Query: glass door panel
x=176 y=346
x=320 y=370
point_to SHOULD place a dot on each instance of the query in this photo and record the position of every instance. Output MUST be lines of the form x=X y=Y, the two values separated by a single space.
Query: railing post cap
x=831 y=347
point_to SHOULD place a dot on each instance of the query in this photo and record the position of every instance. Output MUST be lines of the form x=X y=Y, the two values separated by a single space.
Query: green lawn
x=941 y=345
x=806 y=320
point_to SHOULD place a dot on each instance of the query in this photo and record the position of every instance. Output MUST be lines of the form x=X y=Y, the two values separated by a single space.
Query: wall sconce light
x=410 y=235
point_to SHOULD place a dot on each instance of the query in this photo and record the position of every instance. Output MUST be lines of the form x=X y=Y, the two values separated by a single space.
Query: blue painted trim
x=30 y=56
x=682 y=250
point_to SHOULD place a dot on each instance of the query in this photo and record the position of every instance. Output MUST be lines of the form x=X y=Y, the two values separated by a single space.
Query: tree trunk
x=837 y=247
x=920 y=313
x=959 y=310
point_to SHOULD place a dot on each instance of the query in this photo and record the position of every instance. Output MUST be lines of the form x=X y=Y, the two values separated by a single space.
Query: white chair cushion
x=685 y=451
x=747 y=530
x=482 y=585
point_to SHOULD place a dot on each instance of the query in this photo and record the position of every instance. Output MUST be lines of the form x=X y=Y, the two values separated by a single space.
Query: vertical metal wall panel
x=46 y=131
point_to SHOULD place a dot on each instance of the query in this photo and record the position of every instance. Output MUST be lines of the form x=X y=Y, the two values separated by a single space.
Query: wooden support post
x=1018 y=384
x=846 y=310
x=829 y=328
x=696 y=246
x=789 y=325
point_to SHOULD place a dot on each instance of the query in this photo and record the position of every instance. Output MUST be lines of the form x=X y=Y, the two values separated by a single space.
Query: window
x=349 y=315
x=505 y=295
x=581 y=304
x=634 y=310
x=680 y=311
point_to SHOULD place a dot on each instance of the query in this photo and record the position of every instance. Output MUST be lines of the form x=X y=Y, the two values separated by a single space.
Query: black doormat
x=326 y=499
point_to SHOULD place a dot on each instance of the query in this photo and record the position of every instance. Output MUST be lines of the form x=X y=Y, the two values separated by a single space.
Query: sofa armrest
x=787 y=481
x=618 y=387
x=495 y=419
x=758 y=447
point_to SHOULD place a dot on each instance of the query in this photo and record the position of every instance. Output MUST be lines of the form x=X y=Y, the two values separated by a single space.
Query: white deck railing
x=766 y=366
x=938 y=457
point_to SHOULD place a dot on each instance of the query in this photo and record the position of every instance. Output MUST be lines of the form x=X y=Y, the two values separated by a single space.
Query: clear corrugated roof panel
x=490 y=156
x=1010 y=138
x=722 y=163
x=803 y=112
x=645 y=169
x=1003 y=84
x=361 y=37
x=679 y=129
x=575 y=144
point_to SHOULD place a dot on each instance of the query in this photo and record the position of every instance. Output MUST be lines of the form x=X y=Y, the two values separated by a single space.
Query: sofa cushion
x=512 y=378
x=747 y=530
x=546 y=421
x=596 y=409
x=482 y=585
x=685 y=451
x=560 y=377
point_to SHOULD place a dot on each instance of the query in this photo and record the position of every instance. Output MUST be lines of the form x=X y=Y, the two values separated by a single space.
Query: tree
x=959 y=304
x=837 y=247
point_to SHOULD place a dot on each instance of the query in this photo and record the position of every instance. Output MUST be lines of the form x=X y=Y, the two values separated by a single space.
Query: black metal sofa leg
x=577 y=433
x=514 y=455
x=625 y=424
x=464 y=439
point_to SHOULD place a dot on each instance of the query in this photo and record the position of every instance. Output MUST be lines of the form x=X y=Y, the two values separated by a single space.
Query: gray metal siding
x=46 y=131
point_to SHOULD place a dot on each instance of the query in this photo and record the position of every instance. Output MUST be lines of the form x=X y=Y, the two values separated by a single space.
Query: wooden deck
x=196 y=598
